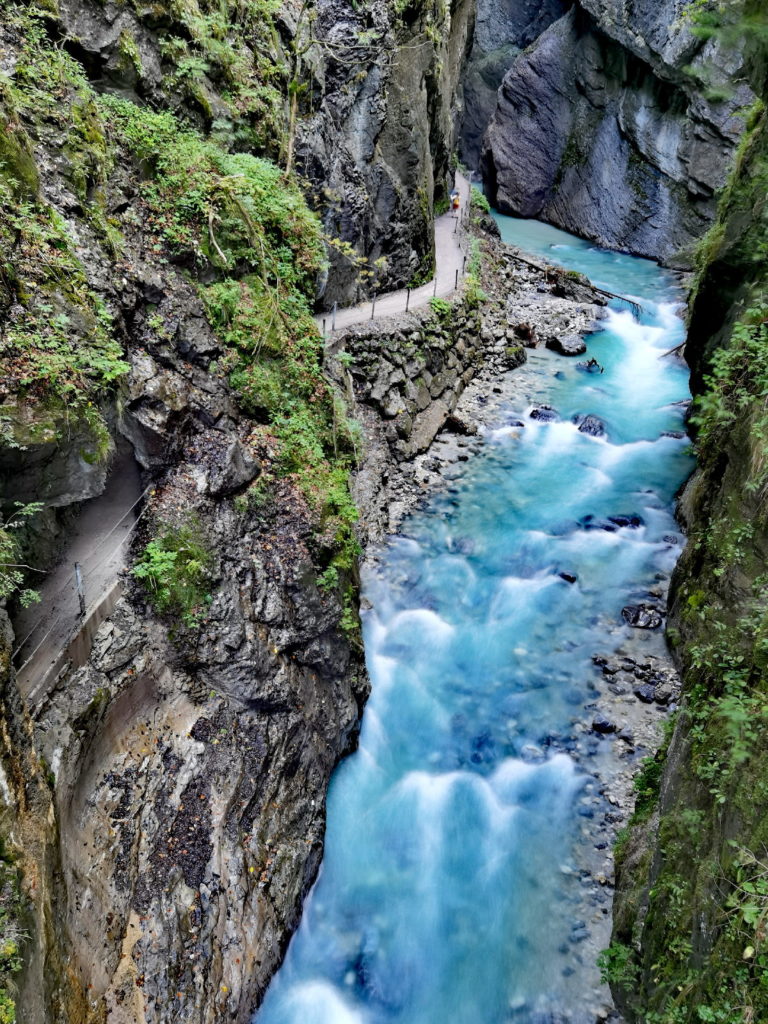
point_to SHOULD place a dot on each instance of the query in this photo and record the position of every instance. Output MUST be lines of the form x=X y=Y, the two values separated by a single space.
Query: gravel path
x=451 y=249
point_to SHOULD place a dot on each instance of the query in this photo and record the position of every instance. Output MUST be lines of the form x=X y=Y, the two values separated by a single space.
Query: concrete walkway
x=99 y=543
x=450 y=256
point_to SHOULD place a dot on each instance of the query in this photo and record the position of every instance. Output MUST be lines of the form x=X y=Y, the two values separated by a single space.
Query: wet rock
x=646 y=693
x=544 y=413
x=570 y=345
x=590 y=424
x=458 y=424
x=642 y=616
x=569 y=577
x=526 y=333
x=603 y=725
x=611 y=523
x=664 y=694
x=633 y=522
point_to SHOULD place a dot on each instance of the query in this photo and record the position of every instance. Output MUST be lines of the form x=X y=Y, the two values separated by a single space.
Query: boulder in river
x=590 y=424
x=570 y=345
x=646 y=693
x=591 y=366
x=633 y=522
x=612 y=523
x=603 y=725
x=642 y=616
x=544 y=413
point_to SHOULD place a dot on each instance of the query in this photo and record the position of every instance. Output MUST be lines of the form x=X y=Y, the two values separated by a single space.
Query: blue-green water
x=446 y=893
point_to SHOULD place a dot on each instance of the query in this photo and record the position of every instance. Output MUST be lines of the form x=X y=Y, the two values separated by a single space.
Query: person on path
x=455 y=200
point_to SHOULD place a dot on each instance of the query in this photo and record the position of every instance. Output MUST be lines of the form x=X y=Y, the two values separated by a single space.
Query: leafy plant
x=175 y=570
x=12 y=573
x=479 y=200
x=442 y=307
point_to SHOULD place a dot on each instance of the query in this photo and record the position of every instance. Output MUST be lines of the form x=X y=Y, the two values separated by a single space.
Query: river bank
x=504 y=662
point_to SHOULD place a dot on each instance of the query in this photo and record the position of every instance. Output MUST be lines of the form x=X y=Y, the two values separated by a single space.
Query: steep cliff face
x=377 y=138
x=603 y=127
x=502 y=30
x=692 y=898
x=374 y=123
x=156 y=279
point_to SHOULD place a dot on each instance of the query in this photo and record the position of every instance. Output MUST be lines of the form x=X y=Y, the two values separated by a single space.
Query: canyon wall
x=690 y=911
x=617 y=123
x=167 y=798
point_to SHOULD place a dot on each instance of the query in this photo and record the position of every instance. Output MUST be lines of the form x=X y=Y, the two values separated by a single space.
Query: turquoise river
x=449 y=886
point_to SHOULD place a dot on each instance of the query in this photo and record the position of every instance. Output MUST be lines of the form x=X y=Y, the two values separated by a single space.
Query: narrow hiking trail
x=99 y=543
x=450 y=255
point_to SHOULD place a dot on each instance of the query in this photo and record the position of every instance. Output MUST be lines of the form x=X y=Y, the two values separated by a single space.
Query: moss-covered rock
x=691 y=911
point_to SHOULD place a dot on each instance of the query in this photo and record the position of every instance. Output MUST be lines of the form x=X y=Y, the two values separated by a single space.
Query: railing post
x=464 y=266
x=434 y=290
x=333 y=317
x=325 y=333
x=373 y=306
x=80 y=591
x=407 y=299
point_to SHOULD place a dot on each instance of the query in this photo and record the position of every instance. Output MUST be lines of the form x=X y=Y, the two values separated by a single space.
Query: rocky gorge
x=165 y=800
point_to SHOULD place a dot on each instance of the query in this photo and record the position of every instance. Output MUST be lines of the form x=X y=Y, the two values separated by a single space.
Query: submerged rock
x=544 y=413
x=611 y=523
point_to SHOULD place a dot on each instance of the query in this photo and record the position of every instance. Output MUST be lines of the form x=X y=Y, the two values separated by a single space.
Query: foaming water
x=448 y=888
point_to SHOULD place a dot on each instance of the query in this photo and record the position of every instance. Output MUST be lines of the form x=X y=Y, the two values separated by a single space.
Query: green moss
x=11 y=934
x=17 y=165
x=693 y=912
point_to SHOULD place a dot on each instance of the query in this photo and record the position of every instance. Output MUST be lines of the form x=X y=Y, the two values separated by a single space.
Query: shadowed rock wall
x=603 y=127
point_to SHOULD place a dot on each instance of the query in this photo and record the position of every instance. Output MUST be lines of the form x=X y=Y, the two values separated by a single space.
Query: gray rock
x=570 y=345
x=642 y=616
x=591 y=425
x=598 y=130
x=646 y=693
x=603 y=725
x=544 y=413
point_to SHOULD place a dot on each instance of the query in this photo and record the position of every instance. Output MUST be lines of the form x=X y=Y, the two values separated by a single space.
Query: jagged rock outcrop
x=378 y=140
x=603 y=128
x=376 y=118
x=502 y=30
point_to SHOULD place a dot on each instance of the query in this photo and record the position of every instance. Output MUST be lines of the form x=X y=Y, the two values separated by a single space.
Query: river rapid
x=450 y=889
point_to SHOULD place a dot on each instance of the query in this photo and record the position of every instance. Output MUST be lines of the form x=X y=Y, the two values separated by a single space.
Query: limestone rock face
x=376 y=127
x=599 y=129
x=377 y=143
x=502 y=30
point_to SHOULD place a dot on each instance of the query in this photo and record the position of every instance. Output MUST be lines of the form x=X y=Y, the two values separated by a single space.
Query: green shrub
x=175 y=570
x=442 y=307
x=617 y=966
x=12 y=574
x=479 y=200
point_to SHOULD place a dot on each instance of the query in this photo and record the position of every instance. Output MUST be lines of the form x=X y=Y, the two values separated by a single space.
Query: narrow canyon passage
x=450 y=889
